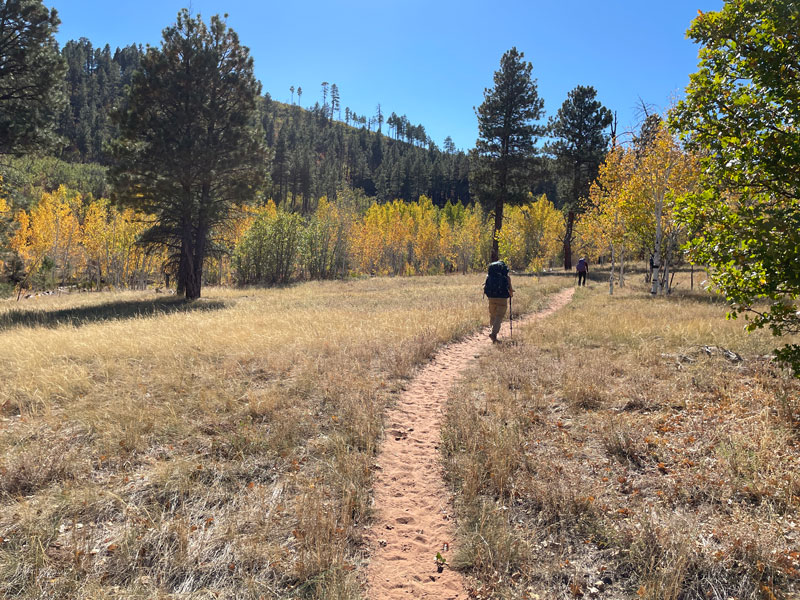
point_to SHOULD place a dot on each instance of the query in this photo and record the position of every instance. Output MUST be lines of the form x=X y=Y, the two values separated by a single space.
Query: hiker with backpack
x=499 y=291
x=583 y=268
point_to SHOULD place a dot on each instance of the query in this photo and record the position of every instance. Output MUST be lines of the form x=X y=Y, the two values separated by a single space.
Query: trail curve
x=413 y=513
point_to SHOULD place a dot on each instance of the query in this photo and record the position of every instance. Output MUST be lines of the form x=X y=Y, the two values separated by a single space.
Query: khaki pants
x=497 y=310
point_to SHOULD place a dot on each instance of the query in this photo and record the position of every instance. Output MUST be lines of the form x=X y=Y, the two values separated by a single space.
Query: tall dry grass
x=222 y=448
x=618 y=451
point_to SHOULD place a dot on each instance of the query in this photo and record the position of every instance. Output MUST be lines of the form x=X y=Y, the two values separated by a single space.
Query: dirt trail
x=413 y=520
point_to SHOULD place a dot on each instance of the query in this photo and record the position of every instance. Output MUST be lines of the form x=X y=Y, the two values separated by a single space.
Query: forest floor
x=630 y=447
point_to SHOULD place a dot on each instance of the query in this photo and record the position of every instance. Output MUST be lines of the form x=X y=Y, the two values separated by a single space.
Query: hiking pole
x=511 y=315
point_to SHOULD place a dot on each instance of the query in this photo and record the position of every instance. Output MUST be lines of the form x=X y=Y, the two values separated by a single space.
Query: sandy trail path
x=413 y=514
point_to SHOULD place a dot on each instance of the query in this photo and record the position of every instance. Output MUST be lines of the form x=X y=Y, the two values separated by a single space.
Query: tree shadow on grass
x=700 y=297
x=110 y=311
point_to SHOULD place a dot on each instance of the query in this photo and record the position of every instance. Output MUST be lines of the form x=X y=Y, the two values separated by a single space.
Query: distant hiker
x=498 y=289
x=583 y=268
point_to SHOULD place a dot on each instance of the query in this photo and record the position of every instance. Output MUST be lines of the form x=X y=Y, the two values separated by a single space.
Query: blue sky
x=431 y=60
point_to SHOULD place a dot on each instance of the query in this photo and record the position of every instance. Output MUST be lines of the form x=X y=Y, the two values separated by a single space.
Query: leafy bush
x=270 y=249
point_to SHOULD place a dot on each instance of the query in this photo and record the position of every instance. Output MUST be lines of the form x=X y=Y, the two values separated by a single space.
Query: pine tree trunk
x=195 y=282
x=568 y=241
x=498 y=225
x=186 y=264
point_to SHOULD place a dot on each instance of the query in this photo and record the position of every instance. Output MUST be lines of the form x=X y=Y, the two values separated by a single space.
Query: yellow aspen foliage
x=448 y=251
x=125 y=263
x=418 y=238
x=404 y=238
x=426 y=257
x=511 y=245
x=530 y=235
x=50 y=235
x=63 y=240
x=662 y=172
x=367 y=241
x=473 y=240
x=95 y=235
x=324 y=252
x=606 y=225
x=5 y=216
x=398 y=227
x=544 y=229
x=268 y=211
x=219 y=266
x=632 y=203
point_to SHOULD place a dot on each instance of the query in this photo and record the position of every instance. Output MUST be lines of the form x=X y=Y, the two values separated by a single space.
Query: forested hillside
x=315 y=152
x=95 y=86
x=314 y=155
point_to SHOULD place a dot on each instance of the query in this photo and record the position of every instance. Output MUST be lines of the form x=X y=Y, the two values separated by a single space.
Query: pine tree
x=335 y=105
x=189 y=149
x=325 y=86
x=31 y=76
x=507 y=136
x=580 y=146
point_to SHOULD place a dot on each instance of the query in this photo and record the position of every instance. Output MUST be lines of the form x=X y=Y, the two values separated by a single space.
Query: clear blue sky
x=432 y=59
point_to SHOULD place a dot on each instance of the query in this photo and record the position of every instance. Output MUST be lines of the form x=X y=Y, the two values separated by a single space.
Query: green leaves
x=741 y=113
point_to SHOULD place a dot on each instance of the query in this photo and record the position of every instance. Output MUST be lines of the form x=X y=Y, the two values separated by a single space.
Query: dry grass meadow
x=619 y=451
x=151 y=448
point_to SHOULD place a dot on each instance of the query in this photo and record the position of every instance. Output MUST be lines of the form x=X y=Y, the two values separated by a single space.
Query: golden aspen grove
x=68 y=241
x=632 y=207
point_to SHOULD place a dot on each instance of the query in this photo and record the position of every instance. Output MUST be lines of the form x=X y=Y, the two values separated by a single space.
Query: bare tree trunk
x=611 y=274
x=498 y=225
x=180 y=284
x=568 y=240
x=622 y=266
x=186 y=263
x=656 y=287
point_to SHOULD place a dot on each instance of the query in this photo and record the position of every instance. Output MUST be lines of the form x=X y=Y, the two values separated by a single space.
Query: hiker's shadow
x=109 y=311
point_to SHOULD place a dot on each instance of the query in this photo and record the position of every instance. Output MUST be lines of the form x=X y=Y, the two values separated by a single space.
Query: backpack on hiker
x=496 y=285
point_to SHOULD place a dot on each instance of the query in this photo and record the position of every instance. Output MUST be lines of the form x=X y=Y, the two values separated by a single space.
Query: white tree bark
x=611 y=274
x=656 y=281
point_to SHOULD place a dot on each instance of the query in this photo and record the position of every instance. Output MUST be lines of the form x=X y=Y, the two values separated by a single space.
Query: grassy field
x=217 y=449
x=629 y=447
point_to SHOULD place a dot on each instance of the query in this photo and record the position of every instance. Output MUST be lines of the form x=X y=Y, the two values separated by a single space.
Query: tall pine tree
x=507 y=132
x=31 y=76
x=580 y=146
x=190 y=148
